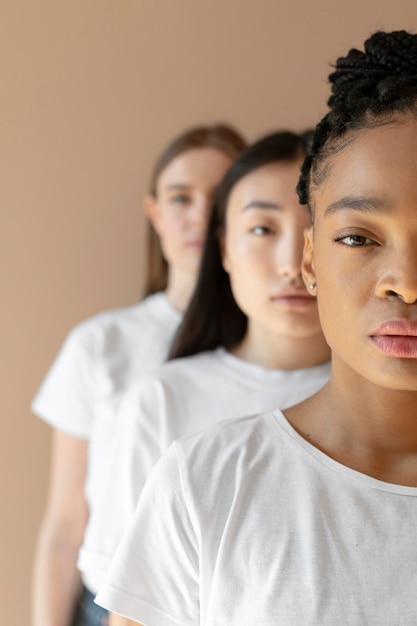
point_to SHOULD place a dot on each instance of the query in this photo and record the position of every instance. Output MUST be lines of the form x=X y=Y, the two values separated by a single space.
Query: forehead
x=379 y=162
x=270 y=181
x=195 y=167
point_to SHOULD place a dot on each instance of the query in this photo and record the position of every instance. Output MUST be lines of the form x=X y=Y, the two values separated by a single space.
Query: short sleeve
x=154 y=577
x=65 y=399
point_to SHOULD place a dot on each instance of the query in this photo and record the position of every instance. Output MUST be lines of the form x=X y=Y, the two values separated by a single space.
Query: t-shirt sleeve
x=65 y=399
x=154 y=577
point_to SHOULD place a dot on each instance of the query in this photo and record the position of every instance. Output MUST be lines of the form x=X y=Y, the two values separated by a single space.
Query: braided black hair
x=367 y=89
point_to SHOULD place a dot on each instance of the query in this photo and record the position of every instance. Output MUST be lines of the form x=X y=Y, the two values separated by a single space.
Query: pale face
x=263 y=251
x=181 y=209
x=363 y=255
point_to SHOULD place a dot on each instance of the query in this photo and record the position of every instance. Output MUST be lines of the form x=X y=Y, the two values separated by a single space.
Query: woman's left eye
x=354 y=241
x=259 y=231
x=180 y=199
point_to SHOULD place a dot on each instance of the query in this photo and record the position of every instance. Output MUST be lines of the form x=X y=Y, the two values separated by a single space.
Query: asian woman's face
x=362 y=253
x=263 y=246
x=179 y=213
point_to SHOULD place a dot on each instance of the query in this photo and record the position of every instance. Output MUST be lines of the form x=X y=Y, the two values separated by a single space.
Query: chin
x=299 y=329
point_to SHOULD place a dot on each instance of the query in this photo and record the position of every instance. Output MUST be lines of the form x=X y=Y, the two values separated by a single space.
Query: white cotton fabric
x=183 y=397
x=99 y=360
x=249 y=524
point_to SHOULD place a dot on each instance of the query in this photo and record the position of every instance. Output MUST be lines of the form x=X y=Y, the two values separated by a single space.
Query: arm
x=56 y=581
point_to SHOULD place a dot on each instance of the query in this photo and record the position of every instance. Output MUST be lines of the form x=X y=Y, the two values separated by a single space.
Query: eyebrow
x=262 y=204
x=357 y=203
x=178 y=186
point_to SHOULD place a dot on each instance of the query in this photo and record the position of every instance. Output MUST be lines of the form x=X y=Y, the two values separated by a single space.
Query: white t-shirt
x=100 y=358
x=250 y=524
x=185 y=396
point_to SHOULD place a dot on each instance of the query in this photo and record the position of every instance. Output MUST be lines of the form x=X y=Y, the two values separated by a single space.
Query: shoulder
x=191 y=367
x=102 y=321
x=228 y=441
x=155 y=304
x=150 y=312
x=168 y=381
x=223 y=464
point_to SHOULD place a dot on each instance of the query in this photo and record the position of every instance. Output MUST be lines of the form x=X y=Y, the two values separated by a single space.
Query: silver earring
x=312 y=285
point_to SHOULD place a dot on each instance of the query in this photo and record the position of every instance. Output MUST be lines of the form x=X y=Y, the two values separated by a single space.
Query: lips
x=397 y=338
x=397 y=327
x=196 y=243
x=293 y=298
x=293 y=293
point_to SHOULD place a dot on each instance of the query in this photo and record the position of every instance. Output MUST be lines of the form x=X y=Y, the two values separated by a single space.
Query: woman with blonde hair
x=104 y=354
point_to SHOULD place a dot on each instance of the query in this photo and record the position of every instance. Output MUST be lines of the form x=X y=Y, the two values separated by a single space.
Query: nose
x=399 y=280
x=289 y=254
x=201 y=212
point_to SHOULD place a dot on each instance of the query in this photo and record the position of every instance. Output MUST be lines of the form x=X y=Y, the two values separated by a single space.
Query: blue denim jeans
x=88 y=613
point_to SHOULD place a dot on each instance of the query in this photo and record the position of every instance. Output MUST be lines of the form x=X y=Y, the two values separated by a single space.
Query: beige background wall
x=91 y=90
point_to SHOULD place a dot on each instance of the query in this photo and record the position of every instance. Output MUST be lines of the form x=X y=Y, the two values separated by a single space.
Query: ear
x=151 y=210
x=223 y=251
x=307 y=265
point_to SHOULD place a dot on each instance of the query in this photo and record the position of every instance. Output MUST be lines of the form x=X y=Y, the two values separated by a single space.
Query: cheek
x=171 y=236
x=343 y=302
x=345 y=275
x=331 y=288
x=245 y=291
x=171 y=229
x=241 y=259
x=246 y=278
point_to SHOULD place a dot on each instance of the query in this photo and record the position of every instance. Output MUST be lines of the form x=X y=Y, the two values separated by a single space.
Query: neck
x=384 y=418
x=364 y=426
x=180 y=288
x=274 y=351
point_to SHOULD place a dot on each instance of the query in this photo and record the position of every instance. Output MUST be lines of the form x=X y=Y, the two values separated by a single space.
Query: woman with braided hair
x=308 y=516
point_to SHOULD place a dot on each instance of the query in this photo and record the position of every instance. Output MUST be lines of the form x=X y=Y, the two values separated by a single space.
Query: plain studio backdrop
x=91 y=91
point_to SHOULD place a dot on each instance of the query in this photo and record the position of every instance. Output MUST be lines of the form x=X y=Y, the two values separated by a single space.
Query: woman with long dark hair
x=250 y=340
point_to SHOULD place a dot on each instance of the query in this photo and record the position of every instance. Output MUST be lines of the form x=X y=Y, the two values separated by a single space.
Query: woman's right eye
x=260 y=231
x=353 y=240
